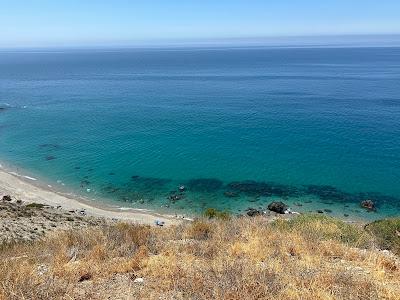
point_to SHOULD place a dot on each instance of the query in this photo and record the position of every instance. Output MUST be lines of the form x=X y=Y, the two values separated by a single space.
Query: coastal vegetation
x=215 y=257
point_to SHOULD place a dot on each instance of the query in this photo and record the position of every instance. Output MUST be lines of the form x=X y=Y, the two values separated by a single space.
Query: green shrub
x=386 y=233
x=35 y=205
x=213 y=213
x=317 y=227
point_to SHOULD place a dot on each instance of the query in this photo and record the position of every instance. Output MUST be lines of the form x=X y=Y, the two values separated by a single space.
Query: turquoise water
x=237 y=127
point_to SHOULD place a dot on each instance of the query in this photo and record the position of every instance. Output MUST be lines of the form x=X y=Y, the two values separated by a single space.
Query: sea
x=181 y=130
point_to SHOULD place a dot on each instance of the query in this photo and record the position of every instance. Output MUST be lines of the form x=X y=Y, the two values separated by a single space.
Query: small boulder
x=252 y=212
x=368 y=204
x=278 y=207
x=7 y=198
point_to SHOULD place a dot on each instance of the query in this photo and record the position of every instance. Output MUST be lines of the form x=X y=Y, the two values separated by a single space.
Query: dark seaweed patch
x=50 y=157
x=327 y=192
x=266 y=189
x=205 y=185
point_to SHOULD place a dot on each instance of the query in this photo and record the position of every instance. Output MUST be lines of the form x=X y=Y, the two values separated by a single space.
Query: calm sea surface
x=318 y=128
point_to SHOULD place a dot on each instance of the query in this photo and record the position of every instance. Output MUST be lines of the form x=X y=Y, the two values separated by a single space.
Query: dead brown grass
x=306 y=258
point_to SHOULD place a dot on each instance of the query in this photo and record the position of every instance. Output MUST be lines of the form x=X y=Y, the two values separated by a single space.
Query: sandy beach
x=27 y=189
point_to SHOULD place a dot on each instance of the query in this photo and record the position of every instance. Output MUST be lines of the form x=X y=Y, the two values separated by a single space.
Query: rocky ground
x=30 y=221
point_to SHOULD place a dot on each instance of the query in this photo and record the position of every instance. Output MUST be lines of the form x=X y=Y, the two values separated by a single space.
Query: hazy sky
x=112 y=22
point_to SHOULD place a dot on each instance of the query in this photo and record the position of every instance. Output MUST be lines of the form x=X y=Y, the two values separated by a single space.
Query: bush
x=213 y=213
x=317 y=227
x=200 y=230
x=35 y=205
x=386 y=233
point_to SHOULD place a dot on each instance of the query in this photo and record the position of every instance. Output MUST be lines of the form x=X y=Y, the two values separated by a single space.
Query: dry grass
x=306 y=258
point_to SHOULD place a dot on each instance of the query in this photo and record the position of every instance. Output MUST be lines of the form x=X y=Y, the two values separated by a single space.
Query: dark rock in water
x=7 y=198
x=327 y=210
x=111 y=173
x=369 y=205
x=50 y=157
x=231 y=194
x=278 y=207
x=90 y=170
x=182 y=188
x=207 y=185
x=346 y=215
x=252 y=212
x=176 y=197
x=320 y=211
x=135 y=177
x=77 y=168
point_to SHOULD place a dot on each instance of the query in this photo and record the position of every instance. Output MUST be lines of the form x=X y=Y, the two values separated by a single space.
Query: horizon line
x=284 y=41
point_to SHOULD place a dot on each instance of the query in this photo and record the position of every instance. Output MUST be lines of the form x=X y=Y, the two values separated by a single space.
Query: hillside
x=309 y=257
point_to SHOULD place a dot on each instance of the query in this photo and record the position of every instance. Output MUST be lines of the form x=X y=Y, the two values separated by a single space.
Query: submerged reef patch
x=205 y=185
x=265 y=189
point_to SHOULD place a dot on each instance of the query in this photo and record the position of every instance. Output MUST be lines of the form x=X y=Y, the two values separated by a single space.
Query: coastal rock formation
x=7 y=198
x=278 y=207
x=252 y=212
x=368 y=204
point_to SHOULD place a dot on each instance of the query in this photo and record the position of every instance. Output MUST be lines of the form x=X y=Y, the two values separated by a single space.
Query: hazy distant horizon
x=122 y=23
x=350 y=40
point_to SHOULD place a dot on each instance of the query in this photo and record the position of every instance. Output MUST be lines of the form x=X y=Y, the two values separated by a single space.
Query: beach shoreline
x=30 y=190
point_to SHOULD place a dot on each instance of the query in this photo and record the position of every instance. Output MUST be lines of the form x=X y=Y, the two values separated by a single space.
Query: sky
x=122 y=22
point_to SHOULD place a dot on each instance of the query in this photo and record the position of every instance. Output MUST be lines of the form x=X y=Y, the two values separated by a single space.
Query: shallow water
x=302 y=125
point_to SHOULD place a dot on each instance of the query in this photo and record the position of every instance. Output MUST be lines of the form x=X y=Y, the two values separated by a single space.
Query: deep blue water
x=301 y=125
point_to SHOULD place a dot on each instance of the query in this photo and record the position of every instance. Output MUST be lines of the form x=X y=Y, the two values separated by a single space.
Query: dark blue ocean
x=317 y=128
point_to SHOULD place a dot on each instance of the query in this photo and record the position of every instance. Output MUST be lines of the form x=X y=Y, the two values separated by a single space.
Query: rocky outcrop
x=7 y=198
x=278 y=207
x=252 y=212
x=368 y=204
